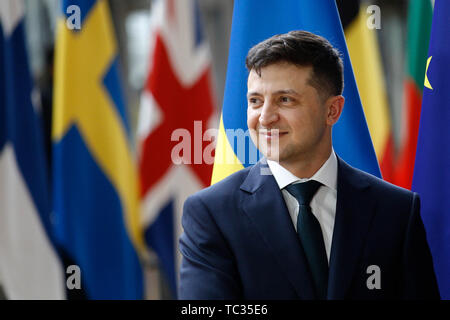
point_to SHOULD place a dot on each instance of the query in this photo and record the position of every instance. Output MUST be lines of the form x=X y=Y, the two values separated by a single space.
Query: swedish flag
x=94 y=176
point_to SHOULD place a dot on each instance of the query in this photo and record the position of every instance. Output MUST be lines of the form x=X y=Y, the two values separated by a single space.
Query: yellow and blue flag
x=95 y=184
x=363 y=46
x=432 y=166
x=256 y=20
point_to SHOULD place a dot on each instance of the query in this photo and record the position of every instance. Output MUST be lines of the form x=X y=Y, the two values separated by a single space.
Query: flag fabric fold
x=364 y=53
x=432 y=165
x=176 y=110
x=95 y=182
x=256 y=20
x=30 y=267
x=420 y=14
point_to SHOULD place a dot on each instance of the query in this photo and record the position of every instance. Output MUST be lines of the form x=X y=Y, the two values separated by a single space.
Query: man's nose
x=269 y=114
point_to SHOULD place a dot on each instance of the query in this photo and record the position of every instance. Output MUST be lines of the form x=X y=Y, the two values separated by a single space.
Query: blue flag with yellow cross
x=95 y=186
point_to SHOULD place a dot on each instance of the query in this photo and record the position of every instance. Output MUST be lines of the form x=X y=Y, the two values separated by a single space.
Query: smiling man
x=283 y=105
x=315 y=228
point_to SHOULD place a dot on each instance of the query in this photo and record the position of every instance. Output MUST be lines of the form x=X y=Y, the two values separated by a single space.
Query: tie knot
x=304 y=191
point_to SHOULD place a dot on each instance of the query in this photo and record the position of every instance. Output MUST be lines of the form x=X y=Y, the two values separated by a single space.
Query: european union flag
x=432 y=167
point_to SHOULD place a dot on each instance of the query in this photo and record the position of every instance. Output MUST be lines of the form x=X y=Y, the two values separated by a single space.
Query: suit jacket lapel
x=354 y=211
x=265 y=207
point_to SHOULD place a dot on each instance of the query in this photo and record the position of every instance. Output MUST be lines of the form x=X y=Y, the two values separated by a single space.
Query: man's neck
x=308 y=166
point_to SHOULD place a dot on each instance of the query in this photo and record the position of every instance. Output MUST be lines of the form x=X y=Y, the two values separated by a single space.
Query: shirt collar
x=327 y=173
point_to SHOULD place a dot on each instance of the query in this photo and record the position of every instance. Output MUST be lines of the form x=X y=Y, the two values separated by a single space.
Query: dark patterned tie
x=310 y=233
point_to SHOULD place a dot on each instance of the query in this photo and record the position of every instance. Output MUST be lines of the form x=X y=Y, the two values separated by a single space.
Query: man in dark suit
x=315 y=228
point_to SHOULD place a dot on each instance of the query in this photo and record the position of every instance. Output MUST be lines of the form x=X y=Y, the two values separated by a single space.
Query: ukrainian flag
x=94 y=175
x=256 y=20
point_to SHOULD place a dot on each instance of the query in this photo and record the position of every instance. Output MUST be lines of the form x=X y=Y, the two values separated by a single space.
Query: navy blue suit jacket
x=239 y=242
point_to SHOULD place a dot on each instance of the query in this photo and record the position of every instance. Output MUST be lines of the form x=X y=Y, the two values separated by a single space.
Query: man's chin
x=270 y=150
x=274 y=156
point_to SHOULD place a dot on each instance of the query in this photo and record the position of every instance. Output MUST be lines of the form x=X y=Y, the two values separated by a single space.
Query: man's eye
x=286 y=99
x=254 y=100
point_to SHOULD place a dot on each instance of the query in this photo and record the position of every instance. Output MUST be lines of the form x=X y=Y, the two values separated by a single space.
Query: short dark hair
x=302 y=48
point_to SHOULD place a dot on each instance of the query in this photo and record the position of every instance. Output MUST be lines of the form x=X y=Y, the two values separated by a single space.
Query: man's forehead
x=281 y=65
x=281 y=73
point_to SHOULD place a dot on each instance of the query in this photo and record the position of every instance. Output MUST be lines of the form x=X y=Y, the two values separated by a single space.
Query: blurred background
x=131 y=26
x=389 y=66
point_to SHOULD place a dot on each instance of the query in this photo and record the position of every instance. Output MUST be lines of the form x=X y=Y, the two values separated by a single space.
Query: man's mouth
x=271 y=133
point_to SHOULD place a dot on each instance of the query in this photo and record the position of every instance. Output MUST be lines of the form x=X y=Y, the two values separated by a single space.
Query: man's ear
x=335 y=105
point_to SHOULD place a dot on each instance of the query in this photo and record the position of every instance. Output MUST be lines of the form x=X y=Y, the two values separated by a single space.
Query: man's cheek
x=252 y=121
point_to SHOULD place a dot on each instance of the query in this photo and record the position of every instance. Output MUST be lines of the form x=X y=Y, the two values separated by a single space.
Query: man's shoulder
x=381 y=187
x=223 y=190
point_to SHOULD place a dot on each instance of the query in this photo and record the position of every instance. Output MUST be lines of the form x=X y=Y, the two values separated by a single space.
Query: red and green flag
x=419 y=27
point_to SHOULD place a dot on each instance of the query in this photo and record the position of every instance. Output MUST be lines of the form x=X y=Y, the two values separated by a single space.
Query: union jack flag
x=177 y=93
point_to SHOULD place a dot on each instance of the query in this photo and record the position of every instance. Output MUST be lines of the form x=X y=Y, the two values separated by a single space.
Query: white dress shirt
x=323 y=204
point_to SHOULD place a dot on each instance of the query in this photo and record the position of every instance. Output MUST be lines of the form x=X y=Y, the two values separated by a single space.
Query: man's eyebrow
x=285 y=91
x=253 y=93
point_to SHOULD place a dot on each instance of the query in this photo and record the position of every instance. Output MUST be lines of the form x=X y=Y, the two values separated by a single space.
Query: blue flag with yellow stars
x=432 y=166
